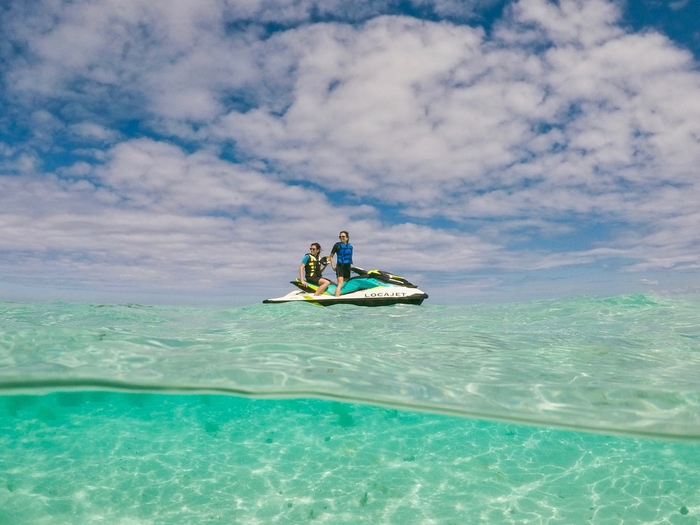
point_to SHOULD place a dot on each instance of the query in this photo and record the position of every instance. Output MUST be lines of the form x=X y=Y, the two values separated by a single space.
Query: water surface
x=578 y=410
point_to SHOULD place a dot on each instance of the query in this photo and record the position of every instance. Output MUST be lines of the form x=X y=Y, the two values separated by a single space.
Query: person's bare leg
x=322 y=287
x=339 y=286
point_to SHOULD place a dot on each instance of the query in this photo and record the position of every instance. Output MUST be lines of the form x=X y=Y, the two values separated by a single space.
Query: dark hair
x=346 y=233
x=318 y=246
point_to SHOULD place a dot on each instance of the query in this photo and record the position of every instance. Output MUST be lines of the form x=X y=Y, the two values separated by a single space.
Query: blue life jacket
x=344 y=252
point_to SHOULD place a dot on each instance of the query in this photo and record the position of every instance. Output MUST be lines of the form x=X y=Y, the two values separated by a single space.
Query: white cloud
x=679 y=4
x=441 y=147
x=92 y=131
x=296 y=11
x=154 y=215
x=441 y=121
x=585 y=23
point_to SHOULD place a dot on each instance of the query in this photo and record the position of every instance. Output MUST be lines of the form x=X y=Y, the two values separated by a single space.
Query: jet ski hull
x=382 y=297
x=368 y=288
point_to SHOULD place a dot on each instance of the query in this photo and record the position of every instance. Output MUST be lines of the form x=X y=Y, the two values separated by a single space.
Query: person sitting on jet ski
x=343 y=263
x=311 y=268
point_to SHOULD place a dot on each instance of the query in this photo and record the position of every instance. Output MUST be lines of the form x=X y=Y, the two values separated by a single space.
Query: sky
x=169 y=151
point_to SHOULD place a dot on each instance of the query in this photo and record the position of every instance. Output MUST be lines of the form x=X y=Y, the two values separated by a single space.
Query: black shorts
x=314 y=280
x=343 y=270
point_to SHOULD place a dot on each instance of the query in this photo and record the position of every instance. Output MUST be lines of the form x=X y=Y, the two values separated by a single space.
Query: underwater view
x=567 y=411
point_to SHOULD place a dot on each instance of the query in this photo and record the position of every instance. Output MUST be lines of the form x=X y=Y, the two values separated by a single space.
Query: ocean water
x=567 y=411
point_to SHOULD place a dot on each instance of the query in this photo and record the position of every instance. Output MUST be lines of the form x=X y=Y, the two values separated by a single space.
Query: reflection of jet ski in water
x=367 y=288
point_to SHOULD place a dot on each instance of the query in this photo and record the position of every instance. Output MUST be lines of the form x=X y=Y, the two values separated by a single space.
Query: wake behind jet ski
x=367 y=288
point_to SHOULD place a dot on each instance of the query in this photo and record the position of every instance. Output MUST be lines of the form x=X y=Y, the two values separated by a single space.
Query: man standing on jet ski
x=311 y=268
x=343 y=249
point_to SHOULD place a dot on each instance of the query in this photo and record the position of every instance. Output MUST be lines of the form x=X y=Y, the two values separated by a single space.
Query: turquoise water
x=578 y=410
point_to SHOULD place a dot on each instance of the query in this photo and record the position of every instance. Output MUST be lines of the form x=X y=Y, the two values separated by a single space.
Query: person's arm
x=330 y=257
x=302 y=269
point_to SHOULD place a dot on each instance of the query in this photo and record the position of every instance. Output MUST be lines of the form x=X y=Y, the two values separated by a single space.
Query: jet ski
x=367 y=288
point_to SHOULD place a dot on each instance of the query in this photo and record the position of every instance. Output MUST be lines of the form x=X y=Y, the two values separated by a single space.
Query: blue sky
x=176 y=151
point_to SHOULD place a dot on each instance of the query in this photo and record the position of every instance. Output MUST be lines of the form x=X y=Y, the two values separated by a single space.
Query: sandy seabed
x=102 y=457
